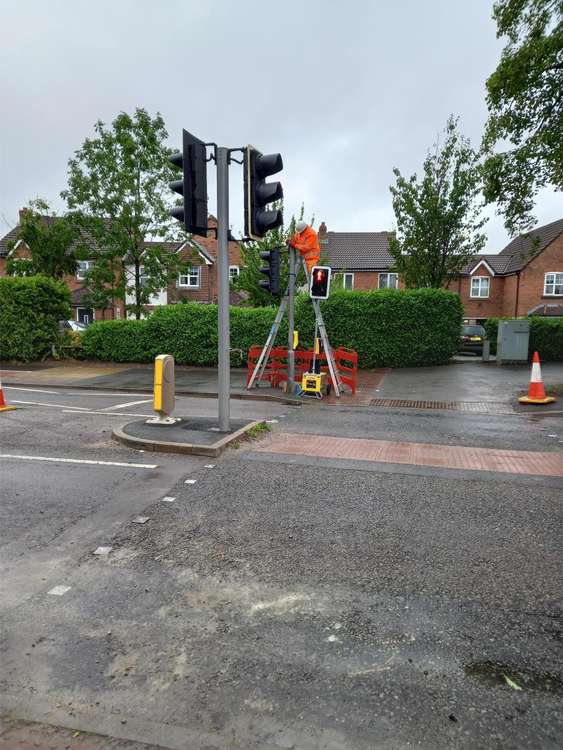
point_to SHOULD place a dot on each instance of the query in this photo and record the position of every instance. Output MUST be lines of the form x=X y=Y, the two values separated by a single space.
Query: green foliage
x=118 y=189
x=525 y=101
x=119 y=341
x=546 y=337
x=51 y=241
x=250 y=276
x=438 y=216
x=387 y=328
x=30 y=310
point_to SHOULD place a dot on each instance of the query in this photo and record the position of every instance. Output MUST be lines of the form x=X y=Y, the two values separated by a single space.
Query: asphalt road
x=277 y=601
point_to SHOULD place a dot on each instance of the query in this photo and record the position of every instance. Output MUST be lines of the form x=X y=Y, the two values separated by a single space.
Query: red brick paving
x=417 y=454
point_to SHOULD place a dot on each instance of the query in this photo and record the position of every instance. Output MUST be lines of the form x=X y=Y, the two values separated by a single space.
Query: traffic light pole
x=222 y=157
x=291 y=322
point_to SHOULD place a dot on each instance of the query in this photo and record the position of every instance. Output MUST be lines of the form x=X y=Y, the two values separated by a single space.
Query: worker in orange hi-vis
x=306 y=241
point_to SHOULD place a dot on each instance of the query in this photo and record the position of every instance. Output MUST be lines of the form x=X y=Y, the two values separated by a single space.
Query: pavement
x=301 y=591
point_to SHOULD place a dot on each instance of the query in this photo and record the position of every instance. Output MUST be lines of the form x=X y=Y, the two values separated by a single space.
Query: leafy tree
x=51 y=241
x=525 y=101
x=118 y=189
x=250 y=276
x=438 y=216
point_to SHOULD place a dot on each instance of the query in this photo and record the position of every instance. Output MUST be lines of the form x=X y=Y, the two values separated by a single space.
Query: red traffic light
x=319 y=282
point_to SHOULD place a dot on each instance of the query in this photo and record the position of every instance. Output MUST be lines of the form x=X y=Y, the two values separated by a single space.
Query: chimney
x=22 y=212
x=322 y=232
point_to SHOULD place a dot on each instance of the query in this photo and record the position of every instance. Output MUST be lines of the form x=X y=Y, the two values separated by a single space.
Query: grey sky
x=344 y=89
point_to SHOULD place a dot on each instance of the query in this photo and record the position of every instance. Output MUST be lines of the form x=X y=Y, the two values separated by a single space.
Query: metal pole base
x=159 y=419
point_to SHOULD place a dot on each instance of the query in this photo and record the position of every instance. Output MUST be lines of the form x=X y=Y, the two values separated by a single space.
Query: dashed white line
x=108 y=413
x=190 y=481
x=129 y=403
x=168 y=499
x=57 y=406
x=86 y=461
x=31 y=390
x=58 y=590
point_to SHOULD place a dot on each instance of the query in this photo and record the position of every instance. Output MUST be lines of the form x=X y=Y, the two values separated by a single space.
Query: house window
x=85 y=315
x=480 y=286
x=234 y=272
x=388 y=281
x=143 y=277
x=348 y=281
x=82 y=268
x=553 y=285
x=191 y=279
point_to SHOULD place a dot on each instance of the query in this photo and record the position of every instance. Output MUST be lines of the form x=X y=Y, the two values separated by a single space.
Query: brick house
x=361 y=259
x=525 y=278
x=199 y=285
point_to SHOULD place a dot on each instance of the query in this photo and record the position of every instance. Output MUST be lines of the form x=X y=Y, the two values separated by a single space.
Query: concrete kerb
x=197 y=449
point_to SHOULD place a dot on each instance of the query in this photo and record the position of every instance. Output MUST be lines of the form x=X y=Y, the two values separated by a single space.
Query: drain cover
x=486 y=407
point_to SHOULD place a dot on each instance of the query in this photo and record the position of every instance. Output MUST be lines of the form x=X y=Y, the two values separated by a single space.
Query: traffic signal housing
x=319 y=282
x=258 y=193
x=272 y=270
x=192 y=160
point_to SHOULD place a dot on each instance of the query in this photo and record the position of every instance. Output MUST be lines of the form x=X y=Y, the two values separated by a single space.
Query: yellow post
x=163 y=393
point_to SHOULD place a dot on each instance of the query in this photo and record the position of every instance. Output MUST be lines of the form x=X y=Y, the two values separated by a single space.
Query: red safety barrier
x=346 y=362
x=347 y=365
x=276 y=362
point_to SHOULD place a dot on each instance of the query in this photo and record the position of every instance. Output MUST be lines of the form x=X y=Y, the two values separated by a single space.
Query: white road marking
x=141 y=519
x=80 y=461
x=190 y=481
x=107 y=413
x=31 y=390
x=57 y=406
x=209 y=466
x=168 y=499
x=271 y=421
x=102 y=550
x=85 y=392
x=59 y=590
x=129 y=403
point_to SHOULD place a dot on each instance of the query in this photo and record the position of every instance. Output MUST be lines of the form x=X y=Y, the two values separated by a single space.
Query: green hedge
x=30 y=310
x=389 y=328
x=546 y=337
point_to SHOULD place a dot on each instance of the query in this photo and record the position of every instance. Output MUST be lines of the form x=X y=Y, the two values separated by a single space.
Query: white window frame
x=193 y=277
x=553 y=283
x=480 y=279
x=85 y=308
x=351 y=288
x=82 y=268
x=388 y=274
x=233 y=276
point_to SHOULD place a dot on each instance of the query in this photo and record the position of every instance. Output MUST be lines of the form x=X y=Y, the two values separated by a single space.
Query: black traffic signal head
x=258 y=193
x=319 y=282
x=193 y=186
x=272 y=270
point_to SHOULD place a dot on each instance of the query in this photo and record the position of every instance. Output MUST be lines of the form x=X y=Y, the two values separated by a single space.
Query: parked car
x=472 y=338
x=71 y=325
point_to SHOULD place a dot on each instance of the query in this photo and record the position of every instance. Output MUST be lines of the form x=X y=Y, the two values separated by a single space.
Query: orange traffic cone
x=3 y=405
x=536 y=391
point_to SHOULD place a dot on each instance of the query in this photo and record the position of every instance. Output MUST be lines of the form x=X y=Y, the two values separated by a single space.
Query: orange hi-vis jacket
x=307 y=242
